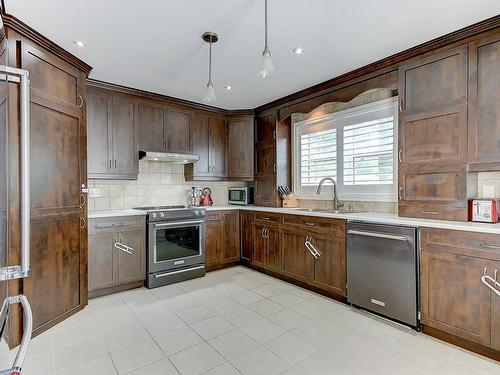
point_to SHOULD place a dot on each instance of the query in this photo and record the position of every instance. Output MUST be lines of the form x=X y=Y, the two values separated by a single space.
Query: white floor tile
x=177 y=340
x=195 y=314
x=268 y=290
x=265 y=307
x=39 y=364
x=212 y=327
x=291 y=348
x=135 y=356
x=475 y=361
x=229 y=289
x=289 y=319
x=387 y=365
x=197 y=359
x=259 y=361
x=223 y=304
x=233 y=344
x=79 y=353
x=246 y=297
x=241 y=316
x=161 y=367
x=225 y=369
x=99 y=366
x=263 y=330
x=317 y=334
x=287 y=299
x=122 y=333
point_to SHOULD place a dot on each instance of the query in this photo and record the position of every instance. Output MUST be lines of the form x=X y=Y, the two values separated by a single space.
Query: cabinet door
x=246 y=233
x=103 y=262
x=296 y=258
x=231 y=222
x=178 y=132
x=132 y=267
x=241 y=148
x=265 y=192
x=453 y=297
x=218 y=142
x=199 y=126
x=125 y=151
x=495 y=309
x=213 y=243
x=484 y=101
x=434 y=82
x=259 y=245
x=273 y=250
x=329 y=269
x=265 y=160
x=265 y=128
x=98 y=136
x=151 y=133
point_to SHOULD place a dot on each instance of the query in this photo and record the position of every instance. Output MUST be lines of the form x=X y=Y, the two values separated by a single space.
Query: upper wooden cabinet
x=112 y=135
x=484 y=103
x=462 y=306
x=240 y=148
x=151 y=128
x=433 y=136
x=272 y=158
x=210 y=144
x=178 y=132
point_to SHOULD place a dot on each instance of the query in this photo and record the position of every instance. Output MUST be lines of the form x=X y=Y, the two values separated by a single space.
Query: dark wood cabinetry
x=109 y=266
x=112 y=135
x=484 y=103
x=267 y=253
x=272 y=158
x=454 y=299
x=222 y=239
x=246 y=236
x=433 y=136
x=296 y=258
x=240 y=148
x=178 y=132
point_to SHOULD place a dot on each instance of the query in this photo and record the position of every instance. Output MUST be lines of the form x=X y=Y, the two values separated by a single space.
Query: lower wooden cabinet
x=117 y=253
x=267 y=252
x=453 y=297
x=296 y=258
x=246 y=235
x=222 y=239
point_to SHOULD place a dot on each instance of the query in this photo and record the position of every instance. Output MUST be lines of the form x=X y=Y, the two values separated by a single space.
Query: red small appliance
x=206 y=197
x=483 y=210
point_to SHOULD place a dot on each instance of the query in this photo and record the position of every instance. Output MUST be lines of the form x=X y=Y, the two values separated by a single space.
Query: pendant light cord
x=210 y=63
x=265 y=21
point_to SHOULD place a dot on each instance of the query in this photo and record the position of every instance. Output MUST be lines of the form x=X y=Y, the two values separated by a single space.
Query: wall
x=490 y=181
x=369 y=96
x=158 y=184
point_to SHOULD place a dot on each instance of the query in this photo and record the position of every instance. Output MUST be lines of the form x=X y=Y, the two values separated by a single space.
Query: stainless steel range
x=175 y=244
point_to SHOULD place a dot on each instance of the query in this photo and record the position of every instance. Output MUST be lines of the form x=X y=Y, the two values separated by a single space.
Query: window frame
x=367 y=193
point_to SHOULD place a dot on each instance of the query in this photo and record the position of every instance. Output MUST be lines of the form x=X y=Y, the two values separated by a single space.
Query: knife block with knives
x=287 y=196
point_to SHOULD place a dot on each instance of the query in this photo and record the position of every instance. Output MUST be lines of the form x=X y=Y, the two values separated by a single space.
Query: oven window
x=176 y=243
x=236 y=195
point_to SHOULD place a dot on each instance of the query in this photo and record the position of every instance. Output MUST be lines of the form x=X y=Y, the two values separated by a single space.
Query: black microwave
x=241 y=196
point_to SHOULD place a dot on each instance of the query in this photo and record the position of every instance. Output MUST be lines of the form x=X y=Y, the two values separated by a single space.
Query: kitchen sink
x=329 y=210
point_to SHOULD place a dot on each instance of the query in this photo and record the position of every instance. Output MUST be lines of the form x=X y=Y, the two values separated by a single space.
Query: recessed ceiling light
x=228 y=87
x=298 y=51
x=79 y=43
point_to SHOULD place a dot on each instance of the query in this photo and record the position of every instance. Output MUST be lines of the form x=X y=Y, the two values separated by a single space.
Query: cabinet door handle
x=169 y=143
x=400 y=104
x=83 y=201
x=262 y=233
x=274 y=134
x=267 y=232
x=399 y=155
x=122 y=247
x=83 y=222
x=310 y=224
x=486 y=246
x=110 y=164
x=115 y=164
x=80 y=98
x=486 y=279
x=430 y=212
x=400 y=193
x=274 y=168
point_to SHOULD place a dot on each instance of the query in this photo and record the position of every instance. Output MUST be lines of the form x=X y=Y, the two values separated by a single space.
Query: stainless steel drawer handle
x=157 y=276
x=378 y=235
x=123 y=247
x=264 y=218
x=486 y=279
x=430 y=212
x=310 y=224
x=307 y=244
x=486 y=246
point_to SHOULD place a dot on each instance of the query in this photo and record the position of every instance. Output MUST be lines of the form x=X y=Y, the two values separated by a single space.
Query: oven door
x=176 y=244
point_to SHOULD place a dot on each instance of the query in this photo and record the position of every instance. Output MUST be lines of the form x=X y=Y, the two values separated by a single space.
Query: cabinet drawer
x=334 y=226
x=116 y=224
x=266 y=217
x=213 y=216
x=480 y=245
x=433 y=212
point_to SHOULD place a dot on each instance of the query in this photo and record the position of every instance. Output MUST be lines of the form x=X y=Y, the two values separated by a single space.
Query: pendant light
x=210 y=37
x=267 y=67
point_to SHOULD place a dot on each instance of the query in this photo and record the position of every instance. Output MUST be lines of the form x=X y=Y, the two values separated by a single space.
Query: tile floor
x=237 y=321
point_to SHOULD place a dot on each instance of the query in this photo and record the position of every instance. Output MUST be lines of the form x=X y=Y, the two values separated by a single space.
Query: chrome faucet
x=336 y=203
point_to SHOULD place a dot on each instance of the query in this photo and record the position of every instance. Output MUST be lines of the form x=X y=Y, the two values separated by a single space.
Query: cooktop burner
x=159 y=208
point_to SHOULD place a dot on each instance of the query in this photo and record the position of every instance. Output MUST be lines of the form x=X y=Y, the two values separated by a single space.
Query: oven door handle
x=178 y=223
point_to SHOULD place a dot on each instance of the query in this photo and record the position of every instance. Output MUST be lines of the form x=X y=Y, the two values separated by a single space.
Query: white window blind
x=356 y=147
x=318 y=152
x=369 y=152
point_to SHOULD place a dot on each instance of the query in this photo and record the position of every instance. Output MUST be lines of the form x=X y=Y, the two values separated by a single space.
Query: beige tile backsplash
x=487 y=179
x=158 y=184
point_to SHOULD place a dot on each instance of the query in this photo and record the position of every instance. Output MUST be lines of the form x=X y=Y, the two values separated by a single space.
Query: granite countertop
x=373 y=217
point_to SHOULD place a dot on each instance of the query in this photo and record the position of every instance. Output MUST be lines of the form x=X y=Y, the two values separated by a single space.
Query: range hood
x=168 y=157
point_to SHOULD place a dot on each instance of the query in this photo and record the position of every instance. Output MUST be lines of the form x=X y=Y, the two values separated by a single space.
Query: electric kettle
x=206 y=199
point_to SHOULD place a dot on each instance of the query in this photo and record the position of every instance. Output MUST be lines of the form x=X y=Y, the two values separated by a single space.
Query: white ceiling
x=156 y=45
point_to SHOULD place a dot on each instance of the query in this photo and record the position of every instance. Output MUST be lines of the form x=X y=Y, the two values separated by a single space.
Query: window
x=355 y=147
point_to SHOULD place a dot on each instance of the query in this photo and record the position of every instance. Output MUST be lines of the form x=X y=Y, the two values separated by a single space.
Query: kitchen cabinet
x=112 y=135
x=222 y=239
x=484 y=103
x=151 y=124
x=57 y=284
x=296 y=258
x=461 y=306
x=246 y=234
x=117 y=254
x=267 y=253
x=433 y=136
x=272 y=158
x=240 y=148
x=210 y=143
x=178 y=132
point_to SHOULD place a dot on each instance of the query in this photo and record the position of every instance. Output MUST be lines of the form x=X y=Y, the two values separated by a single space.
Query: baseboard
x=115 y=289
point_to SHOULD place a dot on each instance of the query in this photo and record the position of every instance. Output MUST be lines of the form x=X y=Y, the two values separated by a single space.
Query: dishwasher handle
x=378 y=235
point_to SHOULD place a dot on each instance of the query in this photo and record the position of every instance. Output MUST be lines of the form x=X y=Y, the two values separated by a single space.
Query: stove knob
x=197 y=213
x=202 y=213
x=154 y=215
x=162 y=214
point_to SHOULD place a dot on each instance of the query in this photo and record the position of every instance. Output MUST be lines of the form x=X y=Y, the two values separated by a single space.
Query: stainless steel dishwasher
x=382 y=270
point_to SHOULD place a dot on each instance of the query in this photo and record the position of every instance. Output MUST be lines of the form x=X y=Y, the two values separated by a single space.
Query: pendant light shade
x=267 y=66
x=210 y=37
